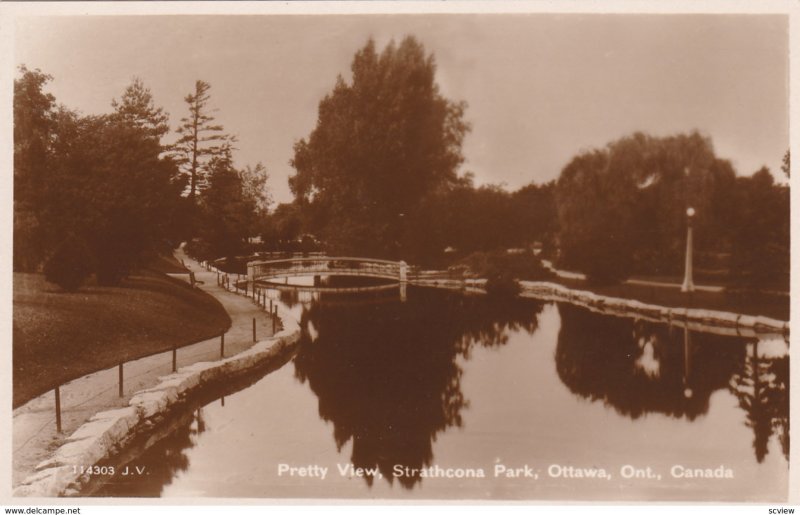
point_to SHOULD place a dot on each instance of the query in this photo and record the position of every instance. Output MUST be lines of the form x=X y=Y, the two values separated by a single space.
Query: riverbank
x=769 y=305
x=717 y=321
x=666 y=291
x=35 y=438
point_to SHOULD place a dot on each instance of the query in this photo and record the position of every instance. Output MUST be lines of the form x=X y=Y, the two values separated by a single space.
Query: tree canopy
x=101 y=194
x=382 y=143
x=622 y=211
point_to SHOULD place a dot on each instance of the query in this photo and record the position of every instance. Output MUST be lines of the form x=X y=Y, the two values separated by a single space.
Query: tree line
x=103 y=194
x=380 y=175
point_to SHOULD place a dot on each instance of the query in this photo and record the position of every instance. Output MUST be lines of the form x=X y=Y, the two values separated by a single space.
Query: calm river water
x=545 y=401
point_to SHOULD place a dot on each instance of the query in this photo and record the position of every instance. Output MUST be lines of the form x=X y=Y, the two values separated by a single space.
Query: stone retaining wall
x=740 y=324
x=721 y=322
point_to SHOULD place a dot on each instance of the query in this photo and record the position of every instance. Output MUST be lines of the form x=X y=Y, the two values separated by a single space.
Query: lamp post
x=688 y=283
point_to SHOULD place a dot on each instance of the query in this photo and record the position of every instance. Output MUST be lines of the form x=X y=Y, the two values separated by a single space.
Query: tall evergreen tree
x=200 y=139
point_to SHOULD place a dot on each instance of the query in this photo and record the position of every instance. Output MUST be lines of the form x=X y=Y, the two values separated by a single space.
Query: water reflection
x=638 y=367
x=393 y=380
x=386 y=374
x=761 y=383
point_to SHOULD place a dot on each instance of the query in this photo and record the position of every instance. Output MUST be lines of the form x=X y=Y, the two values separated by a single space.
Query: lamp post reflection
x=688 y=282
x=687 y=361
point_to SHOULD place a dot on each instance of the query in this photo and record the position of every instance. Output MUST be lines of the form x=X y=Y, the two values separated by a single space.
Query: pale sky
x=539 y=87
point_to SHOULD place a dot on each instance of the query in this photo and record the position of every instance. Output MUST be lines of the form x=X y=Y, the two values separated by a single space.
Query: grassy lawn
x=61 y=336
x=773 y=306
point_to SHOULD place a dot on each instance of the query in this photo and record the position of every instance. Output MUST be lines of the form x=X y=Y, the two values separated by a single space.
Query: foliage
x=621 y=209
x=34 y=127
x=524 y=266
x=760 y=244
x=225 y=223
x=254 y=187
x=102 y=179
x=137 y=107
x=382 y=144
x=786 y=165
x=70 y=265
x=200 y=139
x=503 y=269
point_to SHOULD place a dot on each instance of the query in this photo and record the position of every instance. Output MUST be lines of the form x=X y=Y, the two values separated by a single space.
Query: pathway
x=34 y=424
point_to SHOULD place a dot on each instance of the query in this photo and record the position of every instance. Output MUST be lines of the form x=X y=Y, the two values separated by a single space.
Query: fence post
x=58 y=409
x=273 y=324
x=222 y=345
x=174 y=358
x=254 y=329
x=121 y=389
x=270 y=306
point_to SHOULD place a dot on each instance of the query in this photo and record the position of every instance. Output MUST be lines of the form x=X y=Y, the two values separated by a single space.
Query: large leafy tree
x=113 y=189
x=383 y=142
x=230 y=206
x=90 y=190
x=35 y=114
x=621 y=209
x=761 y=242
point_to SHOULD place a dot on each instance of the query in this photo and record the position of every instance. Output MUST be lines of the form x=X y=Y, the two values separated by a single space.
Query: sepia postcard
x=397 y=252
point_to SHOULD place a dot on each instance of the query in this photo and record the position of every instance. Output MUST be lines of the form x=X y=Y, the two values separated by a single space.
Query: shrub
x=502 y=270
x=69 y=265
x=501 y=284
x=524 y=266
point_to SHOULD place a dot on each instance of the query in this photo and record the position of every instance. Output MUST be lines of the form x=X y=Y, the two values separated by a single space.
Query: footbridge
x=267 y=272
x=319 y=266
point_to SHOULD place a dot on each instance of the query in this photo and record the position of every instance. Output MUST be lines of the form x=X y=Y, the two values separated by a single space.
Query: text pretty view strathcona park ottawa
x=455 y=256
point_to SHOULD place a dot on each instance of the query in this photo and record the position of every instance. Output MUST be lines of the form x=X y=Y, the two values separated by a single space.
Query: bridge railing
x=324 y=265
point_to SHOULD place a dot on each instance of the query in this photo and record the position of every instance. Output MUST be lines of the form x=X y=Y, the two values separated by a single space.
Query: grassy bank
x=61 y=336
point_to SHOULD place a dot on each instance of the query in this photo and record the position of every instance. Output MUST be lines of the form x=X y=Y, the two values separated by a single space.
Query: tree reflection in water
x=172 y=458
x=638 y=367
x=386 y=374
x=762 y=386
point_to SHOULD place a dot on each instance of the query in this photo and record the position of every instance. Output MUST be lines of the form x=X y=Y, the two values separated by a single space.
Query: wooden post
x=273 y=325
x=58 y=409
x=254 y=329
x=121 y=389
x=270 y=306
x=222 y=345
x=174 y=358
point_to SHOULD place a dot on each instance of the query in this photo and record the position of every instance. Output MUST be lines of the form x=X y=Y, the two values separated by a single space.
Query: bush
x=501 y=284
x=502 y=270
x=524 y=266
x=70 y=264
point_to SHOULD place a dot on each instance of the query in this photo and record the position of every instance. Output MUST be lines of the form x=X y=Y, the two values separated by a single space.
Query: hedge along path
x=34 y=435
